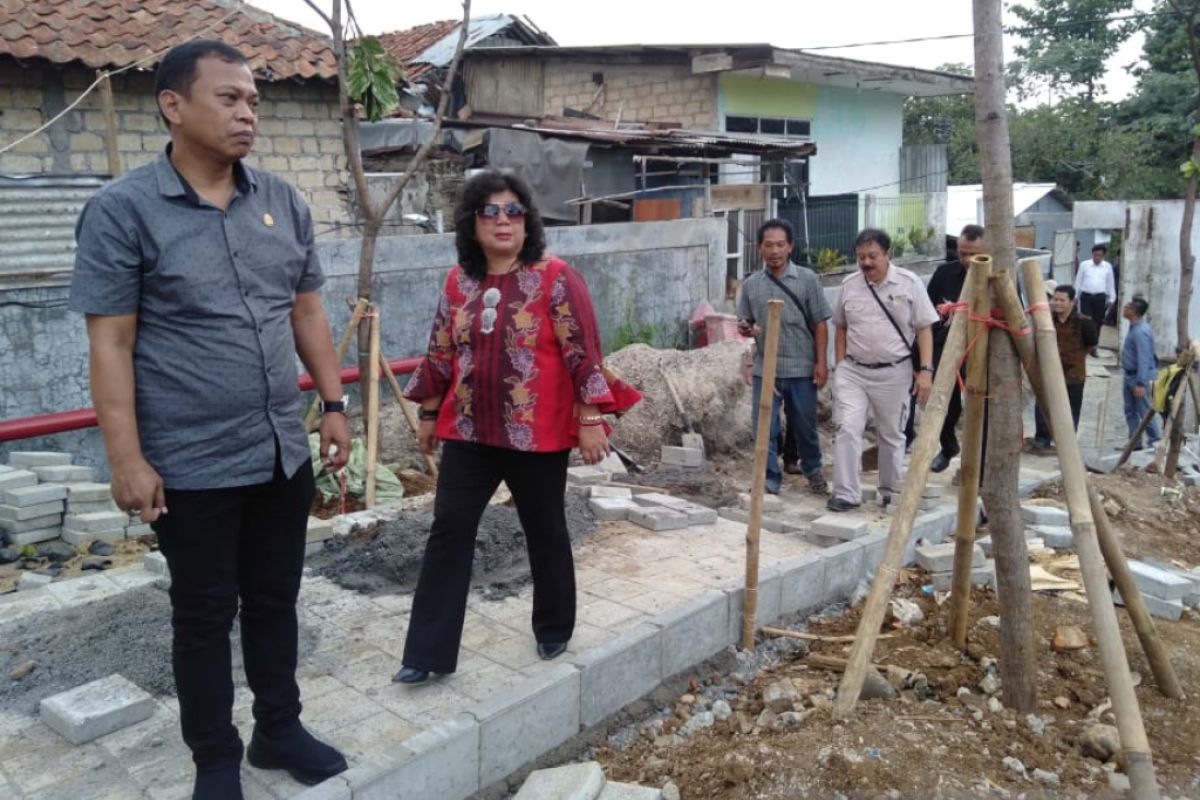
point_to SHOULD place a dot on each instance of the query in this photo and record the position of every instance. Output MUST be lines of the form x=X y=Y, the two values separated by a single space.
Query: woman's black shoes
x=549 y=650
x=411 y=675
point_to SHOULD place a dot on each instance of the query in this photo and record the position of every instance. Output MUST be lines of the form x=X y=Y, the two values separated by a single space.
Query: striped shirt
x=797 y=349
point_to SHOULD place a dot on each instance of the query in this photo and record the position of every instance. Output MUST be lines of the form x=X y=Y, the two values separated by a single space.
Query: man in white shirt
x=1096 y=287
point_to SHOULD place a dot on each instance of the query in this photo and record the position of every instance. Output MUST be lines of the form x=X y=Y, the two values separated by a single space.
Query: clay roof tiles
x=105 y=34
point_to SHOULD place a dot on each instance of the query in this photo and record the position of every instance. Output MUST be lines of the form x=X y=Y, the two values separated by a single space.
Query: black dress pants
x=225 y=546
x=1042 y=435
x=467 y=479
x=1094 y=306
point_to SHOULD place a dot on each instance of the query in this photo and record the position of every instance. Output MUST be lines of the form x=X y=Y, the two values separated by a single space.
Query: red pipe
x=47 y=424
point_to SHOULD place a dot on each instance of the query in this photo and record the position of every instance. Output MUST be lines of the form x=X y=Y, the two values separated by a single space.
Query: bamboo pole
x=1135 y=604
x=408 y=415
x=1127 y=450
x=310 y=420
x=972 y=447
x=1172 y=439
x=924 y=449
x=1005 y=292
x=110 y=123
x=373 y=406
x=1139 y=765
x=762 y=436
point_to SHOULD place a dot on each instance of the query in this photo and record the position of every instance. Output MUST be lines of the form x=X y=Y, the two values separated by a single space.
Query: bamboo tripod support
x=1186 y=362
x=310 y=419
x=373 y=407
x=924 y=448
x=972 y=448
x=1172 y=439
x=1139 y=765
x=398 y=393
x=762 y=436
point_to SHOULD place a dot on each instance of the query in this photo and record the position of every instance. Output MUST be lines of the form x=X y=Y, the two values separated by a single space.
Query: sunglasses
x=487 y=319
x=491 y=211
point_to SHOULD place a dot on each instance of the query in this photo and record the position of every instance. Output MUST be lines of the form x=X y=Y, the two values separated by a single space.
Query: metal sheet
x=37 y=224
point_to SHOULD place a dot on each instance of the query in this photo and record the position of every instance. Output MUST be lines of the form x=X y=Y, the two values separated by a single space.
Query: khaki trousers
x=886 y=393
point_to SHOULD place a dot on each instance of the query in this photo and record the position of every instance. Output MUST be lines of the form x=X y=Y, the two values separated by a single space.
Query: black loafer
x=839 y=505
x=411 y=675
x=221 y=783
x=939 y=463
x=306 y=758
x=549 y=650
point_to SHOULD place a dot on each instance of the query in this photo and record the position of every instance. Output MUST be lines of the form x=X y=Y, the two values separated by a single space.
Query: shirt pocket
x=859 y=311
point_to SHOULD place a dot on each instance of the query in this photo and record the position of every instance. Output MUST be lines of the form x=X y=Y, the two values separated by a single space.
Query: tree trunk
x=1187 y=261
x=366 y=263
x=1000 y=479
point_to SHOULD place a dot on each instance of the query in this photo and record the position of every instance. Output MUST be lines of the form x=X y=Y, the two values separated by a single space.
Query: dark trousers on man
x=797 y=398
x=1094 y=306
x=467 y=479
x=1042 y=435
x=225 y=546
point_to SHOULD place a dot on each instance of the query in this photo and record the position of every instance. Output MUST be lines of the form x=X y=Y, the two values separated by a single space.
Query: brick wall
x=299 y=132
x=639 y=92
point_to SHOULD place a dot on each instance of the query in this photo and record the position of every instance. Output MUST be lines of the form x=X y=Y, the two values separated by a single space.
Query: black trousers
x=1042 y=433
x=467 y=479
x=225 y=546
x=1094 y=306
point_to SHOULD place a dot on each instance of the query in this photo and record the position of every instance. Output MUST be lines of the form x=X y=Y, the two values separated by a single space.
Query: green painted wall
x=747 y=95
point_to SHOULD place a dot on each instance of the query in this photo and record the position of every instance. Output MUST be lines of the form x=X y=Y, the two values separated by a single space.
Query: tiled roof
x=407 y=45
x=104 y=34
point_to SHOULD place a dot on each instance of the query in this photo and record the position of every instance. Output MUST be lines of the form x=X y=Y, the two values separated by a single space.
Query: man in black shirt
x=945 y=287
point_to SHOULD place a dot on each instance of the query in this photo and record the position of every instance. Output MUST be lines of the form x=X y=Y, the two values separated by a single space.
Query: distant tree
x=948 y=120
x=1188 y=12
x=1067 y=44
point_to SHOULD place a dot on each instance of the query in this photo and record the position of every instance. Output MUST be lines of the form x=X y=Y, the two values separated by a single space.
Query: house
x=52 y=51
x=1040 y=210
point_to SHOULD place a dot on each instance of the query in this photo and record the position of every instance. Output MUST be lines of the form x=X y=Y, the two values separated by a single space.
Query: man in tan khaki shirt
x=881 y=316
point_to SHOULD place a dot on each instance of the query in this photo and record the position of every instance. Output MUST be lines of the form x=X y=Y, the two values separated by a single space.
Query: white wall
x=858 y=136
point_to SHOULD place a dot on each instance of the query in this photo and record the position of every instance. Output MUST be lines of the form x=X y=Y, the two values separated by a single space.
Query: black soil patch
x=387 y=559
x=129 y=634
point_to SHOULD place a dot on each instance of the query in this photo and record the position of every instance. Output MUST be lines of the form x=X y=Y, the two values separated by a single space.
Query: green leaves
x=1190 y=169
x=372 y=75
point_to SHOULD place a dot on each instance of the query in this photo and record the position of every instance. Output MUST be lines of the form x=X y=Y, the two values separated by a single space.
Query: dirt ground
x=125 y=553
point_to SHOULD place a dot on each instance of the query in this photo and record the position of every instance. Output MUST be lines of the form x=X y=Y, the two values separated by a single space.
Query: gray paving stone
x=139 y=529
x=933 y=490
x=80 y=538
x=685 y=457
x=98 y=521
x=16 y=478
x=19 y=513
x=935 y=525
x=587 y=475
x=35 y=536
x=614 y=492
x=700 y=515
x=1045 y=515
x=90 y=507
x=611 y=509
x=770 y=594
x=844 y=569
x=802 y=585
x=1166 y=609
x=312 y=548
x=318 y=530
x=980 y=576
x=33 y=524
x=629 y=791
x=439 y=762
x=40 y=494
x=86 y=712
x=843 y=527
x=31 y=580
x=693 y=631
x=570 y=782
x=662 y=499
x=1161 y=583
x=770 y=502
x=874 y=545
x=89 y=492
x=1057 y=537
x=38 y=458
x=940 y=557
x=64 y=474
x=618 y=671
x=658 y=518
x=772 y=524
x=518 y=724
x=155 y=562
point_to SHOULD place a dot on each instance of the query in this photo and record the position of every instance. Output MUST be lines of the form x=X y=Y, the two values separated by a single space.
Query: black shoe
x=793 y=468
x=222 y=783
x=549 y=650
x=940 y=462
x=294 y=749
x=411 y=675
x=839 y=505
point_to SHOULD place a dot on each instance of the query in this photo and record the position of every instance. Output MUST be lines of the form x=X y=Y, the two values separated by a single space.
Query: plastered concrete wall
x=642 y=92
x=659 y=271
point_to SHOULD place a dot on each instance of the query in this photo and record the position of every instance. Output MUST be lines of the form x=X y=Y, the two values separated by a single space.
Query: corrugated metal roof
x=37 y=224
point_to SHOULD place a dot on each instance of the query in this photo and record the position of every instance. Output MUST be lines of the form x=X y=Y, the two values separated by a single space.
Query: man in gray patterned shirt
x=198 y=277
x=803 y=343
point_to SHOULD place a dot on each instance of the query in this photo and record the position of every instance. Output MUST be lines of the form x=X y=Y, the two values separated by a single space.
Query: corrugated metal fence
x=37 y=224
x=924 y=169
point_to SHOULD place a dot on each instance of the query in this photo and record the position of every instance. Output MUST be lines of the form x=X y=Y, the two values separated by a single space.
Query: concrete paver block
x=873 y=546
x=980 y=576
x=933 y=490
x=935 y=525
x=89 y=492
x=155 y=562
x=16 y=478
x=18 y=513
x=940 y=557
x=612 y=492
x=64 y=474
x=1059 y=538
x=686 y=457
x=587 y=475
x=439 y=762
x=772 y=524
x=844 y=569
x=619 y=671
x=700 y=515
x=35 y=536
x=97 y=521
x=31 y=580
x=1166 y=609
x=319 y=530
x=613 y=465
x=629 y=791
x=312 y=548
x=1159 y=582
x=770 y=502
x=658 y=519
x=32 y=524
x=518 y=724
x=839 y=526
x=81 y=538
x=570 y=782
x=38 y=458
x=40 y=494
x=89 y=507
x=610 y=509
x=140 y=529
x=770 y=601
x=662 y=499
x=802 y=588
x=1045 y=515
x=95 y=709
x=693 y=631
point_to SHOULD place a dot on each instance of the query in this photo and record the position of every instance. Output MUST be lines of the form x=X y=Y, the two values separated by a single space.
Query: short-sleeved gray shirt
x=797 y=349
x=214 y=360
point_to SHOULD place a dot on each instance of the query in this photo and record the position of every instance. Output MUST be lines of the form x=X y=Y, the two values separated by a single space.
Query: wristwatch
x=339 y=406
x=925 y=368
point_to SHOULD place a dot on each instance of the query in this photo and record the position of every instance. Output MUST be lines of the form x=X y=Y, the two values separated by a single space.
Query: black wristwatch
x=427 y=414
x=338 y=406
x=925 y=368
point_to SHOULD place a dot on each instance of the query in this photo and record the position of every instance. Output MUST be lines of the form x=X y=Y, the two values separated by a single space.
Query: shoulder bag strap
x=891 y=319
x=807 y=322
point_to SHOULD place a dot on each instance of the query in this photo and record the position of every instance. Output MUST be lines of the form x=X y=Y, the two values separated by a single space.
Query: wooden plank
x=656 y=210
x=732 y=196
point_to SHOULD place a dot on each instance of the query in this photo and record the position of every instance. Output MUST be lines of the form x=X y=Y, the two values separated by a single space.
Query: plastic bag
x=387 y=486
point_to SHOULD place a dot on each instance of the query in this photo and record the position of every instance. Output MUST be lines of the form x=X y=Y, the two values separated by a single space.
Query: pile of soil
x=386 y=559
x=125 y=553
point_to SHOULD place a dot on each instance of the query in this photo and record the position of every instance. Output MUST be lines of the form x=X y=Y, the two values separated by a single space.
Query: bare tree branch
x=317 y=10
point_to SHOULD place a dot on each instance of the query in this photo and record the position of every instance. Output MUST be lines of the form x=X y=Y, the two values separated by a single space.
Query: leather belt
x=880 y=365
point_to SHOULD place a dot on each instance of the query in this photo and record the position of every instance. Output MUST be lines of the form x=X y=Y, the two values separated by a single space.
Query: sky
x=803 y=24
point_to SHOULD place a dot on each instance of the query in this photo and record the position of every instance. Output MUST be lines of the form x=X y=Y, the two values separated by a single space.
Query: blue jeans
x=798 y=397
x=1135 y=409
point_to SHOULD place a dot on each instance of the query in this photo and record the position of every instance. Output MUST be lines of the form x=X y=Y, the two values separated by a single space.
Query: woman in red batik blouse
x=513 y=380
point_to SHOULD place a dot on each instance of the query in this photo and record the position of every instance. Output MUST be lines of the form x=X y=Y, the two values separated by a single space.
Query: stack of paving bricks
x=653 y=510
x=682 y=457
x=31 y=506
x=319 y=532
x=1165 y=589
x=1052 y=525
x=938 y=561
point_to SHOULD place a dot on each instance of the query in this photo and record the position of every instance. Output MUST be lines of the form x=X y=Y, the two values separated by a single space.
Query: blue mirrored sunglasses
x=492 y=210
